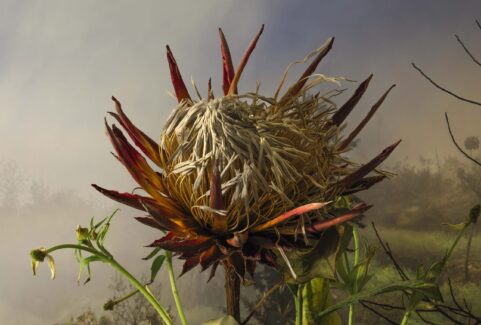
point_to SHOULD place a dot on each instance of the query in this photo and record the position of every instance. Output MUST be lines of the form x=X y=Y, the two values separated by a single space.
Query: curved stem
x=110 y=260
x=144 y=290
x=79 y=247
x=175 y=293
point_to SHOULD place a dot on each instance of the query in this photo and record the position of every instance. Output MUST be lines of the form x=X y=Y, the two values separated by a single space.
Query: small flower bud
x=82 y=234
x=109 y=305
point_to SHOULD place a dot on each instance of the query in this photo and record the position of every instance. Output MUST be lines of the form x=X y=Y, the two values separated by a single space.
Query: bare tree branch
x=467 y=50
x=457 y=145
x=388 y=251
x=387 y=319
x=477 y=23
x=444 y=89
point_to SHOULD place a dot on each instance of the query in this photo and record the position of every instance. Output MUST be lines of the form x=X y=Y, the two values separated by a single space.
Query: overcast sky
x=60 y=61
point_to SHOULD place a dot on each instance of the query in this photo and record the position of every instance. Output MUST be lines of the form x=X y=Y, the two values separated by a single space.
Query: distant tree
x=10 y=186
x=88 y=317
x=471 y=143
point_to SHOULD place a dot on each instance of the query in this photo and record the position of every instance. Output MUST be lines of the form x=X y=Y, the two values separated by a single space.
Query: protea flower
x=239 y=179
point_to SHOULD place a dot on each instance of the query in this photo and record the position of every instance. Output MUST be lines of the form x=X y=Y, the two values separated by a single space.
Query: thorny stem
x=110 y=260
x=173 y=284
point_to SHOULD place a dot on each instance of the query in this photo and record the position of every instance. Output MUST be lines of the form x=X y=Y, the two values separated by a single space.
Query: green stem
x=352 y=307
x=407 y=313
x=351 y=314
x=110 y=260
x=79 y=247
x=175 y=293
x=144 y=290
x=406 y=317
x=455 y=243
x=468 y=251
x=298 y=303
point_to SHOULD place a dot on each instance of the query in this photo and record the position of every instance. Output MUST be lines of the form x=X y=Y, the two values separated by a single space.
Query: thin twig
x=421 y=317
x=457 y=145
x=378 y=313
x=477 y=23
x=467 y=50
x=262 y=300
x=389 y=253
x=444 y=89
x=445 y=314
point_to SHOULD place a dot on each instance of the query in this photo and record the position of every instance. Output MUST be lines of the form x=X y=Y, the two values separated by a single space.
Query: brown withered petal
x=349 y=180
x=135 y=163
x=366 y=119
x=289 y=214
x=158 y=212
x=180 y=89
x=294 y=90
x=213 y=269
x=345 y=109
x=227 y=66
x=364 y=184
x=323 y=225
x=219 y=223
x=210 y=256
x=190 y=263
x=151 y=222
x=243 y=62
x=182 y=245
x=148 y=146
x=238 y=239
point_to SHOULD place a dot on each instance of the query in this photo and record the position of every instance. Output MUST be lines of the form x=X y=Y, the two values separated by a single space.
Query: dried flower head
x=242 y=177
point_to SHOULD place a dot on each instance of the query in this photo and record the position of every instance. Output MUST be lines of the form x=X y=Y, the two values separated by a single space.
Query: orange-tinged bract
x=236 y=179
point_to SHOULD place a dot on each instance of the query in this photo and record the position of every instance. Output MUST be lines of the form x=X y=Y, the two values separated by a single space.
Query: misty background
x=61 y=61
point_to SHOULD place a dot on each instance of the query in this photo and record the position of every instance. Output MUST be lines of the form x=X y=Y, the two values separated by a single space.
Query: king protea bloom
x=239 y=179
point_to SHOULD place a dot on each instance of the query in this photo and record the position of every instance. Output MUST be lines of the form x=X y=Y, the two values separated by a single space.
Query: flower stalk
x=173 y=284
x=232 y=292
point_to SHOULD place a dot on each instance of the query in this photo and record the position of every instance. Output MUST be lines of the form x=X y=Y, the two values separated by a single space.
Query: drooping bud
x=474 y=213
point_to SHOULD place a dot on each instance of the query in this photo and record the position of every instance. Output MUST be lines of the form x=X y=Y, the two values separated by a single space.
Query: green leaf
x=155 y=267
x=226 y=320
x=426 y=289
x=315 y=298
x=85 y=263
x=152 y=254
x=316 y=261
